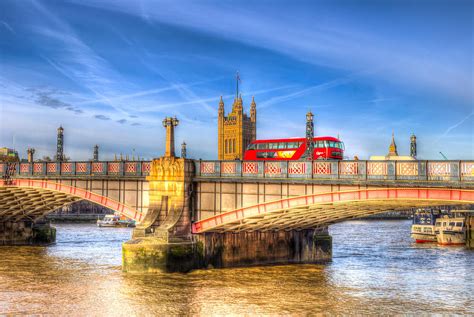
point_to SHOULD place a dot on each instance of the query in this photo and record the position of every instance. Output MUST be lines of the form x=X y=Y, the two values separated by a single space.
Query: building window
x=225 y=147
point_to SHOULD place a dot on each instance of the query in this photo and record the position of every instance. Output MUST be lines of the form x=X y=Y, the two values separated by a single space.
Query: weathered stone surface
x=264 y=248
x=151 y=255
x=26 y=233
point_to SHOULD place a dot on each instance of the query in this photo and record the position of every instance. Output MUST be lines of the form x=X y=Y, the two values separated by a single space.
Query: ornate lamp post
x=183 y=150
x=309 y=136
x=169 y=123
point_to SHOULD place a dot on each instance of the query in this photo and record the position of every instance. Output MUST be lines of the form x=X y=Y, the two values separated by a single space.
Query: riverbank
x=72 y=218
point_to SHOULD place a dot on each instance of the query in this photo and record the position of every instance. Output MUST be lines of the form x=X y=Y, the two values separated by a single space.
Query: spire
x=253 y=110
x=392 y=149
x=221 y=107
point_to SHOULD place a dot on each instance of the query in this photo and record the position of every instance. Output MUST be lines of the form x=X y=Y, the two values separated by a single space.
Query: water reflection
x=376 y=269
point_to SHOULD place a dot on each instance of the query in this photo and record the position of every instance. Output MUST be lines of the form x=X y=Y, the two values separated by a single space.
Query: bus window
x=272 y=146
x=332 y=144
x=282 y=145
x=262 y=146
x=251 y=147
x=266 y=154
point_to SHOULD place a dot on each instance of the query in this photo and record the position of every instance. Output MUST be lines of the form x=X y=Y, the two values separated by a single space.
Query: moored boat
x=115 y=221
x=423 y=227
x=450 y=231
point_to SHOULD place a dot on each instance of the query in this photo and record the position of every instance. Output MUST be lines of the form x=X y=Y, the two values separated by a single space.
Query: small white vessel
x=423 y=227
x=450 y=231
x=115 y=221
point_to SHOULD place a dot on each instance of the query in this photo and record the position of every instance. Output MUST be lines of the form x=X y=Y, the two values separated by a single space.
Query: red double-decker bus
x=326 y=147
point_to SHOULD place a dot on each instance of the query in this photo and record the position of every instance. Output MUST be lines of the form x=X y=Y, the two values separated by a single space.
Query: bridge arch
x=32 y=199
x=322 y=209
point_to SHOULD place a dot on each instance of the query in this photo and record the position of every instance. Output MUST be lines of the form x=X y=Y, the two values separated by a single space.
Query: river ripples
x=376 y=269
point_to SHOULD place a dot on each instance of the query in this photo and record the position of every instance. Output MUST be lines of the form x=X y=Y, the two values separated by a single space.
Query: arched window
x=225 y=147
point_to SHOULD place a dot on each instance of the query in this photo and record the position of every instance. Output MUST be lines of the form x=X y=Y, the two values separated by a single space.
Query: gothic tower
x=60 y=145
x=413 y=145
x=392 y=149
x=31 y=153
x=236 y=130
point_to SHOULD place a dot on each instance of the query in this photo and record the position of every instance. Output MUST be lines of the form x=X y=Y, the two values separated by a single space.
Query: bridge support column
x=26 y=233
x=163 y=242
x=264 y=248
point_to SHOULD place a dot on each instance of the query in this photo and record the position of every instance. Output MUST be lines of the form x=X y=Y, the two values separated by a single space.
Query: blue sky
x=109 y=71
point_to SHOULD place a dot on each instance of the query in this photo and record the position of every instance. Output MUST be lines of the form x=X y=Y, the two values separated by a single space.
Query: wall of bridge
x=222 y=186
x=124 y=182
x=131 y=192
x=214 y=197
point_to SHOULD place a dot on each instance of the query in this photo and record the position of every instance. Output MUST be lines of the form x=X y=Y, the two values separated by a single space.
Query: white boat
x=423 y=227
x=115 y=221
x=450 y=231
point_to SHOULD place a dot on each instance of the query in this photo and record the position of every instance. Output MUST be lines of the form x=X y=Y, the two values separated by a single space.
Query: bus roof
x=319 y=138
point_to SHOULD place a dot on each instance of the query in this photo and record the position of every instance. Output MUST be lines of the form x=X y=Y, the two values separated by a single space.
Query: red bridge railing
x=113 y=168
x=455 y=171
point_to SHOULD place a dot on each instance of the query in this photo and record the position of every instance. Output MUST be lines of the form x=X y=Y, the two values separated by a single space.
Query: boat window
x=458 y=224
x=452 y=224
x=438 y=224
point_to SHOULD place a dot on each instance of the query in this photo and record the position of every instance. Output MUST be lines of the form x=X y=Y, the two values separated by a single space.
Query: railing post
x=365 y=164
x=198 y=167
x=395 y=177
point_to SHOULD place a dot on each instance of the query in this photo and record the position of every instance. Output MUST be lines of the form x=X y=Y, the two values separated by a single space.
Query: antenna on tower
x=237 y=79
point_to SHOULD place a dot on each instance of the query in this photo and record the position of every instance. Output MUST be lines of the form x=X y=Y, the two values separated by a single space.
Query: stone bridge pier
x=164 y=240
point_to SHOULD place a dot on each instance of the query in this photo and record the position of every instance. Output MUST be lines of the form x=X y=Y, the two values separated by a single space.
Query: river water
x=375 y=269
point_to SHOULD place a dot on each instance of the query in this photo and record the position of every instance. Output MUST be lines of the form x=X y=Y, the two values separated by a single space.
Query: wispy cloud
x=44 y=97
x=311 y=89
x=101 y=117
x=8 y=27
x=454 y=126
x=322 y=43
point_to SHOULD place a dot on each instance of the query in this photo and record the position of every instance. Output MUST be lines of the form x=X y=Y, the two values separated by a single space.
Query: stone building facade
x=236 y=130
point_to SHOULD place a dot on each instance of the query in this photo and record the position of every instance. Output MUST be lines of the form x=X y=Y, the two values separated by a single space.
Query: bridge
x=195 y=213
